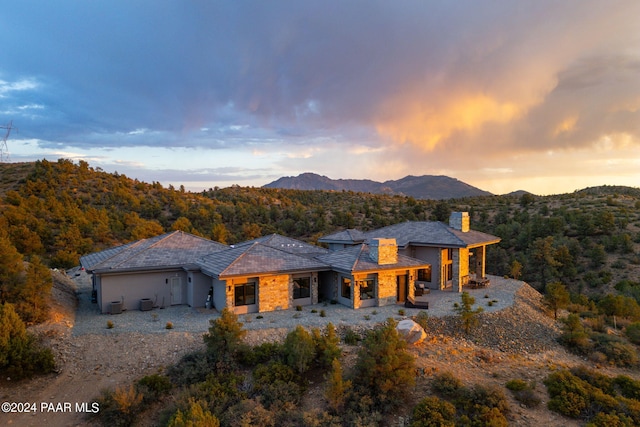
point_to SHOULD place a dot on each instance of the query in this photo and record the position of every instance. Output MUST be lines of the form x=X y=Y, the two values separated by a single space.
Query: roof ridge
x=162 y=239
x=360 y=251
x=239 y=257
x=450 y=230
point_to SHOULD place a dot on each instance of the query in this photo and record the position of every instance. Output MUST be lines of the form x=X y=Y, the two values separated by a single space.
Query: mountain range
x=436 y=187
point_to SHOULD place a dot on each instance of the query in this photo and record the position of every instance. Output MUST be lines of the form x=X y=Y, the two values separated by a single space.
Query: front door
x=402 y=282
x=176 y=291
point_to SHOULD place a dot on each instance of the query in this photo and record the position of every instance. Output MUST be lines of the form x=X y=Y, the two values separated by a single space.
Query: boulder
x=411 y=331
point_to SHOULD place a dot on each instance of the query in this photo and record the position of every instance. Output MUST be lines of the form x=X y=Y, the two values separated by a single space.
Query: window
x=424 y=274
x=346 y=288
x=245 y=294
x=301 y=287
x=367 y=287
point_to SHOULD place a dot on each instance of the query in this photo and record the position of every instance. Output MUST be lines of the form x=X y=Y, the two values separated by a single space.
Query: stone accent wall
x=273 y=293
x=387 y=287
x=383 y=251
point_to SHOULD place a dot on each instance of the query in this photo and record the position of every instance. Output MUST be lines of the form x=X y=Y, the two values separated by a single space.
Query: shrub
x=633 y=332
x=323 y=313
x=337 y=387
x=433 y=412
x=151 y=387
x=21 y=356
x=446 y=384
x=192 y=368
x=197 y=414
x=119 y=407
x=169 y=325
x=109 y=324
x=467 y=314
x=299 y=350
x=422 y=319
x=618 y=352
x=277 y=384
x=523 y=393
x=384 y=367
x=517 y=385
x=298 y=308
x=263 y=353
x=326 y=345
x=351 y=337
x=225 y=336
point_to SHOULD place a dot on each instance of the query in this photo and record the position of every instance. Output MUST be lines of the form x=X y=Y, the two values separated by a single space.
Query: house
x=274 y=272
x=456 y=253
x=161 y=269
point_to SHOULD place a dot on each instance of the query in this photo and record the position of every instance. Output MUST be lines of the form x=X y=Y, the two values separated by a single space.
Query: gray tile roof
x=173 y=249
x=349 y=235
x=356 y=259
x=287 y=244
x=431 y=233
x=257 y=258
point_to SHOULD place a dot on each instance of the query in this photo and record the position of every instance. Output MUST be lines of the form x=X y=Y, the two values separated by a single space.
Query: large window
x=367 y=288
x=301 y=287
x=424 y=274
x=245 y=294
x=346 y=288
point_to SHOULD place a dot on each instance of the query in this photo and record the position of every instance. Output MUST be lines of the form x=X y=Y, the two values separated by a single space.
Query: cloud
x=421 y=85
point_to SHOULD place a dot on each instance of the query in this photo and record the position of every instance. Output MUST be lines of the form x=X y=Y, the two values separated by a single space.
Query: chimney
x=383 y=251
x=459 y=221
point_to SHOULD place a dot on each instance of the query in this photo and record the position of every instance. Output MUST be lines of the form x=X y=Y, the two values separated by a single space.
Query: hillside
x=419 y=187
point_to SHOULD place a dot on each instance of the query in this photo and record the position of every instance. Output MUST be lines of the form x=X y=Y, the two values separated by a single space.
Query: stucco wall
x=197 y=289
x=133 y=287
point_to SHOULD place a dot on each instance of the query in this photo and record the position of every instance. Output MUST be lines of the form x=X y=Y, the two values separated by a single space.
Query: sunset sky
x=504 y=95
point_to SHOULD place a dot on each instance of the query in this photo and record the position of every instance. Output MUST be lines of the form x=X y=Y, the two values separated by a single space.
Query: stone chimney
x=383 y=251
x=459 y=221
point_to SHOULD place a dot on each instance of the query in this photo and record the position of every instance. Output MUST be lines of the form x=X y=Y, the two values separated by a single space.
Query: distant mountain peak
x=437 y=187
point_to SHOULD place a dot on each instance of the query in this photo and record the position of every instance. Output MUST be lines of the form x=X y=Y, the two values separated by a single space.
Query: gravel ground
x=499 y=296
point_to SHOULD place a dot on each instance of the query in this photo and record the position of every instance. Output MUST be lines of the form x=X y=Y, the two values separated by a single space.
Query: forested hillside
x=58 y=211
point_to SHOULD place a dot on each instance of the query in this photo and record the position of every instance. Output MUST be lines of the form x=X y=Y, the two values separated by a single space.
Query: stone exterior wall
x=387 y=287
x=274 y=293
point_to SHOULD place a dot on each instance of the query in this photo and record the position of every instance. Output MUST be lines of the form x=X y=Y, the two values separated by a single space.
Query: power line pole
x=4 y=148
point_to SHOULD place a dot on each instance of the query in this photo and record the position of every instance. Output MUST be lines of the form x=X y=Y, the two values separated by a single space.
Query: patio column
x=480 y=261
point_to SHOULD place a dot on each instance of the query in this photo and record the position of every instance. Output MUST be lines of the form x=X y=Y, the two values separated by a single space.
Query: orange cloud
x=428 y=125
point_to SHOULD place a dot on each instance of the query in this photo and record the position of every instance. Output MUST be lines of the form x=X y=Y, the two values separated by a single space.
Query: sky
x=504 y=95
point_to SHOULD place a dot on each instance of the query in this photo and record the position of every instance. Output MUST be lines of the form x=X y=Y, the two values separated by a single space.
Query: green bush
x=633 y=332
x=263 y=353
x=384 y=367
x=277 y=385
x=422 y=319
x=119 y=407
x=446 y=384
x=299 y=349
x=433 y=412
x=153 y=386
x=618 y=351
x=517 y=385
x=225 y=336
x=326 y=345
x=351 y=337
x=21 y=356
x=196 y=414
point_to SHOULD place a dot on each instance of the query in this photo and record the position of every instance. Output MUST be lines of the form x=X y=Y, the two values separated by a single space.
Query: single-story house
x=274 y=272
x=456 y=253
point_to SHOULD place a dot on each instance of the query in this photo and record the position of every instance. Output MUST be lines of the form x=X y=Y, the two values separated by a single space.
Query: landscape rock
x=411 y=331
